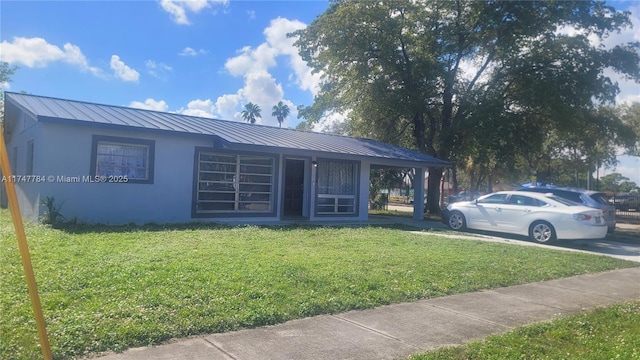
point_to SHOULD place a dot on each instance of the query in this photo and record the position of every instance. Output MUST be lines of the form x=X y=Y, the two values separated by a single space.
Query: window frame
x=337 y=197
x=492 y=196
x=238 y=200
x=527 y=201
x=124 y=141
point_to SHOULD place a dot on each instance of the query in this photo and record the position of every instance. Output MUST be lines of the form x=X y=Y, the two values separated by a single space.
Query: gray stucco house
x=114 y=165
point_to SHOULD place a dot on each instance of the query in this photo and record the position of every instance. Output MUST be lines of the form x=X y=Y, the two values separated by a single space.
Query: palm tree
x=280 y=111
x=251 y=112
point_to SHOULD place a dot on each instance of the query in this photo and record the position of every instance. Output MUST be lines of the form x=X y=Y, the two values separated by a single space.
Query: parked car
x=590 y=198
x=543 y=217
x=464 y=196
x=625 y=202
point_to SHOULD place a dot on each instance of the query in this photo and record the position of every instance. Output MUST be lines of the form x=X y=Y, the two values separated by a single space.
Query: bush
x=53 y=215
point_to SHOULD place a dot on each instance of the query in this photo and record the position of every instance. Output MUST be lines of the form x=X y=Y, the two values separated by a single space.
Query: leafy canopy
x=251 y=112
x=473 y=82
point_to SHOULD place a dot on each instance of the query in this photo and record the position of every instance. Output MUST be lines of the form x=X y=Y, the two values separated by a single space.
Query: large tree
x=615 y=182
x=630 y=115
x=466 y=81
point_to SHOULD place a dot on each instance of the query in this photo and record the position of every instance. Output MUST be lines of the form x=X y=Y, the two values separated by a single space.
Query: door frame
x=306 y=196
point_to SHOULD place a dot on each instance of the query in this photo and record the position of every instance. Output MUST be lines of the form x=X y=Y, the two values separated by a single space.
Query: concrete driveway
x=625 y=251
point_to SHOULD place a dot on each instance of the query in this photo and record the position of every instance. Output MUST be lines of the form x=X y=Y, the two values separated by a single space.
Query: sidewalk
x=397 y=331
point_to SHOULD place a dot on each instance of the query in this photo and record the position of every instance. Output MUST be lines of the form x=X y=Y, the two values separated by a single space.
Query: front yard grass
x=111 y=288
x=606 y=333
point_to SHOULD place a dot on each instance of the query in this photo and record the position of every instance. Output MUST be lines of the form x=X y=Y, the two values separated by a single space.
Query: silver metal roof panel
x=234 y=134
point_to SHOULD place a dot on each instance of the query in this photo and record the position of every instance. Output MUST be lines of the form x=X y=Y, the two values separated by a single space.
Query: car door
x=484 y=214
x=516 y=213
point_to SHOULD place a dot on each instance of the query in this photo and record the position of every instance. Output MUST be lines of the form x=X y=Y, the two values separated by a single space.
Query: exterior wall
x=66 y=152
x=64 y=156
x=25 y=130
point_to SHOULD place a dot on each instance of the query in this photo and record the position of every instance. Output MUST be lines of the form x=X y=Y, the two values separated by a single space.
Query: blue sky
x=198 y=57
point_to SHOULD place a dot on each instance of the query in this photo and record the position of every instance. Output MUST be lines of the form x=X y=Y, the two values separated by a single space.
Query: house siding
x=168 y=199
x=25 y=131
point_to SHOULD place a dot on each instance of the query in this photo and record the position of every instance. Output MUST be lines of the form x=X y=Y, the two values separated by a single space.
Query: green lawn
x=110 y=288
x=605 y=333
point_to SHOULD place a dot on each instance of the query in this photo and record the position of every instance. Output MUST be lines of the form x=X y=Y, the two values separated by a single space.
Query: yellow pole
x=24 y=248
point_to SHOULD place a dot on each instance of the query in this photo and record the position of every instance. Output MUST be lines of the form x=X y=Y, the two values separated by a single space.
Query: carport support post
x=418 y=194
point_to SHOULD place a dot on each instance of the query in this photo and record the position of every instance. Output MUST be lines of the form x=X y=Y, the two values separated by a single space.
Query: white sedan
x=543 y=217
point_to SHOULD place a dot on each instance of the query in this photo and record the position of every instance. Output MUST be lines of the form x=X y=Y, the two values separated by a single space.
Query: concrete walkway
x=397 y=331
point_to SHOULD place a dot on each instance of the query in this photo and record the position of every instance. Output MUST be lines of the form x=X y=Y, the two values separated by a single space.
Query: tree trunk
x=454 y=179
x=433 y=195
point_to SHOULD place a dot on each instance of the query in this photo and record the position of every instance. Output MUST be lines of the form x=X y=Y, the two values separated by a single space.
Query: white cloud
x=150 y=104
x=178 y=8
x=37 y=52
x=276 y=35
x=161 y=71
x=201 y=108
x=189 y=51
x=228 y=105
x=252 y=60
x=5 y=86
x=628 y=99
x=122 y=71
x=260 y=87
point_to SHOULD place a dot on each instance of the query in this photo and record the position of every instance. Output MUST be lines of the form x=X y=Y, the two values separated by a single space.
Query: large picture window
x=123 y=157
x=230 y=183
x=337 y=188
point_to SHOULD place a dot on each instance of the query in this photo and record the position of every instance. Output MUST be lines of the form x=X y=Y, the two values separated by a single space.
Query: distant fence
x=628 y=216
x=627 y=206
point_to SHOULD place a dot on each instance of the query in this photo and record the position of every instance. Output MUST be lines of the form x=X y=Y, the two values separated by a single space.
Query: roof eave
x=380 y=161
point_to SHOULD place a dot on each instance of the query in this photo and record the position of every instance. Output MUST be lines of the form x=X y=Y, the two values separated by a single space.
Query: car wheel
x=456 y=221
x=542 y=232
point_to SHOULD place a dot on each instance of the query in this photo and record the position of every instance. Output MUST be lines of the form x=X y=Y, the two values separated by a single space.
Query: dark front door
x=293 y=188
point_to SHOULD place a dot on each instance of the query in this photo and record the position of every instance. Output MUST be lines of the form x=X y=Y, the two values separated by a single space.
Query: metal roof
x=231 y=134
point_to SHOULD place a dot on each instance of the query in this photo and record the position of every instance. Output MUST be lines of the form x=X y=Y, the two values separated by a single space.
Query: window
x=525 y=201
x=115 y=156
x=337 y=188
x=230 y=183
x=493 y=199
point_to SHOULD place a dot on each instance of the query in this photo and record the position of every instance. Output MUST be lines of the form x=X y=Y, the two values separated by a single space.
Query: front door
x=293 y=188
